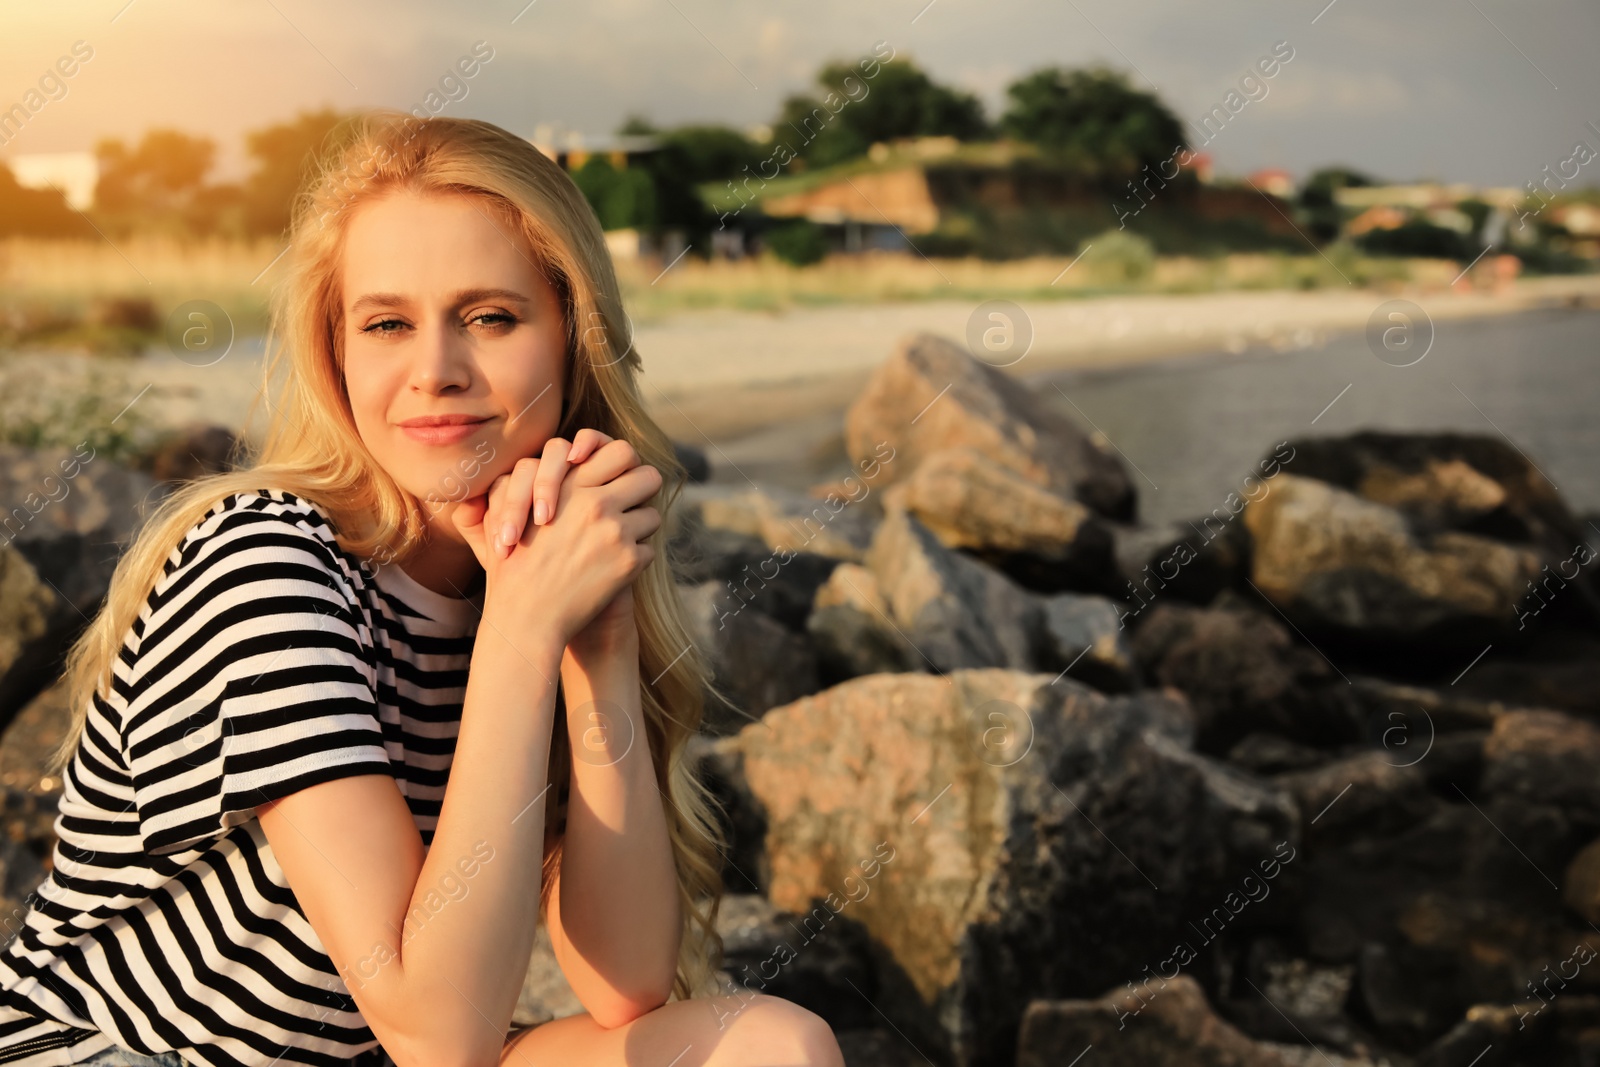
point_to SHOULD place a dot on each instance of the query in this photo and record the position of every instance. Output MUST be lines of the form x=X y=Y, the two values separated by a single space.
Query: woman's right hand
x=560 y=574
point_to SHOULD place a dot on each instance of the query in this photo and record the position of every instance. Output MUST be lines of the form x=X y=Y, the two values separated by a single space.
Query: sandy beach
x=713 y=377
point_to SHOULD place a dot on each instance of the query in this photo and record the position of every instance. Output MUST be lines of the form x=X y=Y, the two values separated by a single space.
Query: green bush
x=800 y=242
x=1121 y=255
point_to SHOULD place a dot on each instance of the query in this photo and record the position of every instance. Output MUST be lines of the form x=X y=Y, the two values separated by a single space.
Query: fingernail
x=541 y=512
x=508 y=535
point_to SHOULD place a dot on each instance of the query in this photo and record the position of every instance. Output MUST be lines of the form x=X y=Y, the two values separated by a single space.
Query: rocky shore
x=1012 y=778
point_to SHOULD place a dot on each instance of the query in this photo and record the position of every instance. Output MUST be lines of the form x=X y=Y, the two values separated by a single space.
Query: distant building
x=1200 y=163
x=1274 y=181
x=74 y=173
x=916 y=187
x=573 y=149
x=1426 y=196
x=1378 y=217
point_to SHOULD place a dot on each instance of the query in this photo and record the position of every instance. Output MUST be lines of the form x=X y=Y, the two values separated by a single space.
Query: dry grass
x=768 y=284
x=49 y=287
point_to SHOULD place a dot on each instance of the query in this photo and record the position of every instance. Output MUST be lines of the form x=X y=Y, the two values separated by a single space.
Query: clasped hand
x=560 y=553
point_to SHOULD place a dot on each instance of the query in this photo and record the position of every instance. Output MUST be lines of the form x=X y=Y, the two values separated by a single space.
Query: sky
x=1483 y=91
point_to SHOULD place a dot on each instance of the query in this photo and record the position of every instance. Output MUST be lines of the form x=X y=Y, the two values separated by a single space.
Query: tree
x=284 y=154
x=1319 y=203
x=856 y=112
x=621 y=199
x=152 y=184
x=709 y=153
x=36 y=212
x=1093 y=118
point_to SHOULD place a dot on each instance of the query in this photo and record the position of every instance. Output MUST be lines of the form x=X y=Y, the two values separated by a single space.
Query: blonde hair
x=311 y=448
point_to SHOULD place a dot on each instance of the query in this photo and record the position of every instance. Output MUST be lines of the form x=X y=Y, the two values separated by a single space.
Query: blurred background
x=1153 y=444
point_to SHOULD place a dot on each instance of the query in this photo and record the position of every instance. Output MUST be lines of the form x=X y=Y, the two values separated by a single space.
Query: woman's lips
x=443 y=435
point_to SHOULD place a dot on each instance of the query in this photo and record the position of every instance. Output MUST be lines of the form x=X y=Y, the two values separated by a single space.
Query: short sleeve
x=249 y=681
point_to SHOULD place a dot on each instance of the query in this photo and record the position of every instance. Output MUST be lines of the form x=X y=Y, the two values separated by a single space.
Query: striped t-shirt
x=265 y=660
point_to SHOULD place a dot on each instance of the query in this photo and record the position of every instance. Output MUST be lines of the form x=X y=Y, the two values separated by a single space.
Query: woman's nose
x=440 y=359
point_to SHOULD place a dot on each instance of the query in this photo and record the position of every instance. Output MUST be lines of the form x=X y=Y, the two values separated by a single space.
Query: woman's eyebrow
x=464 y=296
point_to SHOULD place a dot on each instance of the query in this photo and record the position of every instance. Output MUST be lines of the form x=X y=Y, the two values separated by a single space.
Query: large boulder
x=1337 y=562
x=29 y=742
x=755 y=576
x=1546 y=758
x=852 y=631
x=1471 y=482
x=1023 y=836
x=1244 y=673
x=1173 y=1024
x=954 y=611
x=1043 y=539
x=27 y=610
x=836 y=526
x=931 y=395
x=756 y=662
x=1084 y=637
x=190 y=452
x=69 y=513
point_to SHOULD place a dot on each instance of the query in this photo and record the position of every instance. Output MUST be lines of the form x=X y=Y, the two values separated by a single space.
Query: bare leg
x=752 y=1030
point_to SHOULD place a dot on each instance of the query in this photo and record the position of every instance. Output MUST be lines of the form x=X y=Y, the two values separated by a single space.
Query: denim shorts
x=120 y=1057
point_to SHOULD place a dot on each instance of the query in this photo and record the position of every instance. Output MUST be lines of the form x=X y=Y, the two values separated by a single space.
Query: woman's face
x=445 y=316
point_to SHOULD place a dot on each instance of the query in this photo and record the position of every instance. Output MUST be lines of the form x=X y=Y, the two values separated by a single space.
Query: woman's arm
x=614 y=916
x=434 y=946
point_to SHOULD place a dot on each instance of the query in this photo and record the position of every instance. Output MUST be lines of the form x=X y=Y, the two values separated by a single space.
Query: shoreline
x=695 y=393
x=721 y=375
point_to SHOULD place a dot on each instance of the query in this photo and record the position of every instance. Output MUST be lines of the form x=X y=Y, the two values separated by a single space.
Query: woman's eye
x=493 y=318
x=378 y=327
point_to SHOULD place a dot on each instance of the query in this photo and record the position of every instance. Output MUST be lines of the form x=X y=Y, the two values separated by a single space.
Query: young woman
x=355 y=719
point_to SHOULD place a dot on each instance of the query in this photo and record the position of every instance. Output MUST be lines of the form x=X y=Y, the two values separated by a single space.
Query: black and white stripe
x=265 y=661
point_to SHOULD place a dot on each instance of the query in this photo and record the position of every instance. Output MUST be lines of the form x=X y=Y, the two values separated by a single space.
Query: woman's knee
x=805 y=1034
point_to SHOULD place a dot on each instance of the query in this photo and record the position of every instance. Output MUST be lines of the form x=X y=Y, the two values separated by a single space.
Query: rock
x=1560 y=671
x=753 y=576
x=818 y=959
x=1364 y=794
x=69 y=514
x=1085 y=638
x=1546 y=758
x=850 y=629
x=1044 y=540
x=1471 y=482
x=1190 y=561
x=931 y=394
x=30 y=741
x=1439 y=911
x=1410 y=993
x=792 y=522
x=27 y=607
x=878 y=1048
x=1263 y=753
x=1336 y=562
x=1580 y=889
x=1013 y=829
x=695 y=463
x=1244 y=673
x=1510 y=1035
x=1287 y=998
x=1174 y=1026
x=743 y=823
x=755 y=661
x=191 y=453
x=954 y=611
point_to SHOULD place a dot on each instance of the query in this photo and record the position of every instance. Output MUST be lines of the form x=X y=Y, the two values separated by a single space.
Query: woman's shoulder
x=269 y=525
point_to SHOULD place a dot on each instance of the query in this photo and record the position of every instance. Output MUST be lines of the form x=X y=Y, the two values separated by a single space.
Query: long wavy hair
x=312 y=449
